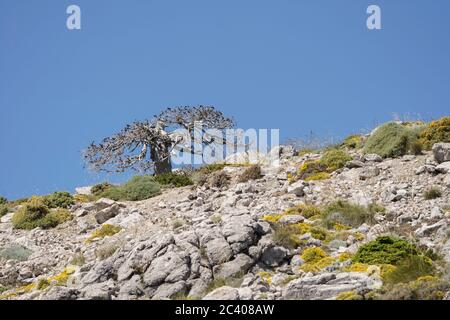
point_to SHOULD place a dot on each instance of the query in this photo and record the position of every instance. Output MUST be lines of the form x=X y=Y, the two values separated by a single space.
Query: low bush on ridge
x=348 y=214
x=136 y=189
x=392 y=140
x=35 y=213
x=173 y=179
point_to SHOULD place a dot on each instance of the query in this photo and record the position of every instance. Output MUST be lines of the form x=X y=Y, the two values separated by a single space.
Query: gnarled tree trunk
x=163 y=164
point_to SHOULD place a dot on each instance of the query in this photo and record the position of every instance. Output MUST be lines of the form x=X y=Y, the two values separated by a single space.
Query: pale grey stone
x=223 y=293
x=441 y=152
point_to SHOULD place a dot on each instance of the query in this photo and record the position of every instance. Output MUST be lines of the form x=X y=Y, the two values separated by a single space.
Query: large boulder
x=444 y=167
x=104 y=215
x=233 y=268
x=441 y=152
x=328 y=285
x=218 y=251
x=170 y=267
x=298 y=188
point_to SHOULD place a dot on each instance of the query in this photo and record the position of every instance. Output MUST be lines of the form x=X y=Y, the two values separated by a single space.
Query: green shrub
x=436 y=131
x=78 y=260
x=218 y=180
x=30 y=215
x=313 y=254
x=16 y=252
x=331 y=160
x=3 y=200
x=416 y=147
x=98 y=189
x=432 y=193
x=391 y=140
x=106 y=251
x=54 y=218
x=173 y=179
x=106 y=230
x=307 y=211
x=138 y=188
x=210 y=168
x=42 y=284
x=385 y=250
x=251 y=173
x=424 y=288
x=310 y=168
x=410 y=269
x=353 y=142
x=4 y=209
x=286 y=236
x=58 y=200
x=335 y=159
x=35 y=214
x=346 y=213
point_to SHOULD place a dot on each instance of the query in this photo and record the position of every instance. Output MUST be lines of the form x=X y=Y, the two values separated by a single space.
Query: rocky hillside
x=370 y=228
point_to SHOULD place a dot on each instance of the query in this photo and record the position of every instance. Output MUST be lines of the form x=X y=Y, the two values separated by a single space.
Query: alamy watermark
x=73 y=21
x=207 y=146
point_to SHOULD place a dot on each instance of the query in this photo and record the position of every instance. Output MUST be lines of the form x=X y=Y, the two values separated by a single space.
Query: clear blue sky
x=297 y=65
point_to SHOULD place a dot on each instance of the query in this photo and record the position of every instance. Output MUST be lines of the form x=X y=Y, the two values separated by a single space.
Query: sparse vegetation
x=58 y=199
x=251 y=173
x=54 y=218
x=138 y=188
x=348 y=214
x=178 y=223
x=78 y=260
x=42 y=284
x=315 y=259
x=353 y=142
x=424 y=288
x=218 y=180
x=98 y=189
x=410 y=269
x=334 y=159
x=35 y=213
x=216 y=219
x=4 y=209
x=349 y=295
x=286 y=236
x=392 y=140
x=432 y=193
x=3 y=200
x=16 y=252
x=436 y=131
x=173 y=179
x=308 y=211
x=106 y=251
x=105 y=230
